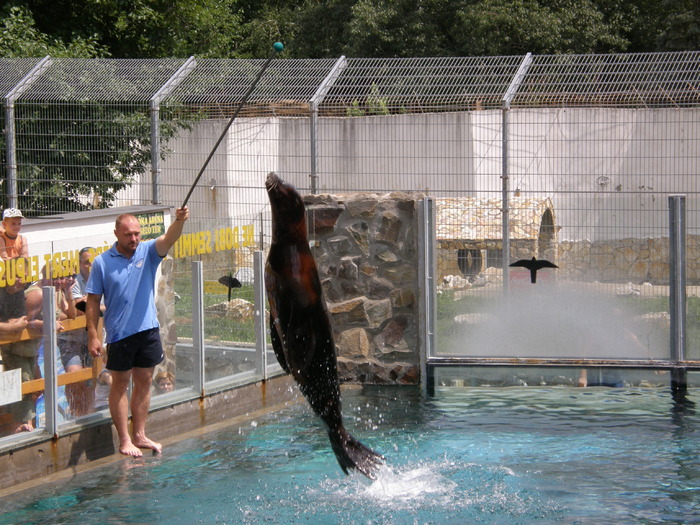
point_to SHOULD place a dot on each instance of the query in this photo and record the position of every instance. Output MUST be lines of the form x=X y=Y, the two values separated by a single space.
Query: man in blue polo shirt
x=125 y=276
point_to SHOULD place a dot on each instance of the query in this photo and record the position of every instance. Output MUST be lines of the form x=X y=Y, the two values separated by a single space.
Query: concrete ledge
x=29 y=463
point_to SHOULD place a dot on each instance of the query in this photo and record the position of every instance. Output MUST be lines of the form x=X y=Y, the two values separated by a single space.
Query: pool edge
x=97 y=444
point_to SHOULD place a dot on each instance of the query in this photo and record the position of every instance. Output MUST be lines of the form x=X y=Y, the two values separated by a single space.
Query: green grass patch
x=216 y=326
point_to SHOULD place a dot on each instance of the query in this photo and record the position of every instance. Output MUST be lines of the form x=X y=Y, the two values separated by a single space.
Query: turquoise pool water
x=467 y=455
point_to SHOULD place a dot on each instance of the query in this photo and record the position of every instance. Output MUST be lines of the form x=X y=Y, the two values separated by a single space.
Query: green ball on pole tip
x=278 y=46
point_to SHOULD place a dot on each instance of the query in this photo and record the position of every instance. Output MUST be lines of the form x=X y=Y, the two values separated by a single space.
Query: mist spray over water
x=559 y=321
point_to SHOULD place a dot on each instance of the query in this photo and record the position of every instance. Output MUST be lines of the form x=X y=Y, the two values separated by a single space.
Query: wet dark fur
x=301 y=332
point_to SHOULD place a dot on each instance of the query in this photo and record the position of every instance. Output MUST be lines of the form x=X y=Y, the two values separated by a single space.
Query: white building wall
x=607 y=171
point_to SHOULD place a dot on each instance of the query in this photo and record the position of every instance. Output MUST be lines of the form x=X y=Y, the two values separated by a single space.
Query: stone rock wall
x=638 y=260
x=366 y=251
x=622 y=260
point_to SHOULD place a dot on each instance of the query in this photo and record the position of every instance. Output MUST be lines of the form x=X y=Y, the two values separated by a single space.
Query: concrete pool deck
x=93 y=445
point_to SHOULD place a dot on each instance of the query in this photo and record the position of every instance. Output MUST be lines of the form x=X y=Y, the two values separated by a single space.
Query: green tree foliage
x=263 y=24
x=77 y=157
x=504 y=27
x=20 y=38
x=681 y=29
x=416 y=28
x=144 y=28
x=485 y=27
x=322 y=29
x=359 y=28
x=73 y=157
x=388 y=29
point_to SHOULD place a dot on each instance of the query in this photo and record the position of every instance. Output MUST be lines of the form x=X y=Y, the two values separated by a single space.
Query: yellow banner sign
x=210 y=241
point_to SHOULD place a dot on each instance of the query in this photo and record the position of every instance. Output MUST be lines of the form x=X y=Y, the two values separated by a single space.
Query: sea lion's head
x=288 y=210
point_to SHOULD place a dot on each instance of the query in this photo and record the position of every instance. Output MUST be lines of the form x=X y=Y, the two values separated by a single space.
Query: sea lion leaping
x=533 y=265
x=300 y=328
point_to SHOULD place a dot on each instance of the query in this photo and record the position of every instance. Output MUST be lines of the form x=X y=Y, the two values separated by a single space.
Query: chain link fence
x=568 y=158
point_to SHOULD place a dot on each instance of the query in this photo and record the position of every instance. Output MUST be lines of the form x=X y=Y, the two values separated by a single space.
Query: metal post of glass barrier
x=260 y=325
x=427 y=265
x=677 y=293
x=198 y=326
x=48 y=307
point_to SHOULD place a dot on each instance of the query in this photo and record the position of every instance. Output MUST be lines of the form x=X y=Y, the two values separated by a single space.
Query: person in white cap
x=12 y=244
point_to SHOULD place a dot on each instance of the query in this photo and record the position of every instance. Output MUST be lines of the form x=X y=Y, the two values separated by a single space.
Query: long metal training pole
x=276 y=48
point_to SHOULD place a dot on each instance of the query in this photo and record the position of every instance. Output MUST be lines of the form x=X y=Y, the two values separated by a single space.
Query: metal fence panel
x=418 y=124
x=580 y=150
x=256 y=142
x=82 y=132
x=595 y=145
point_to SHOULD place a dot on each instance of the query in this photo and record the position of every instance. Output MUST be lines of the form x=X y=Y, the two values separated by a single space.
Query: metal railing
x=570 y=158
x=58 y=421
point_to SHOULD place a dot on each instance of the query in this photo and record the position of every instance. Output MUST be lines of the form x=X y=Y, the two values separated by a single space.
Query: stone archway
x=546 y=238
x=469 y=261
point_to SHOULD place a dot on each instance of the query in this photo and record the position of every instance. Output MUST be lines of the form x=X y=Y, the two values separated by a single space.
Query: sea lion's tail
x=353 y=455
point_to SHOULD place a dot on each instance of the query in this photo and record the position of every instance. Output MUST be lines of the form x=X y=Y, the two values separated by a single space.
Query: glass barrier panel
x=185 y=359
x=22 y=391
x=505 y=376
x=229 y=322
x=607 y=298
x=21 y=405
x=81 y=378
x=225 y=249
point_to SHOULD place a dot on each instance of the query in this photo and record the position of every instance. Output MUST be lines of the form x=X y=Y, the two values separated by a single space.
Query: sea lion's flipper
x=276 y=334
x=353 y=455
x=277 y=345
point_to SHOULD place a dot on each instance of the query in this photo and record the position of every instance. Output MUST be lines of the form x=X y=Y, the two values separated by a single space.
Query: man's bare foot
x=129 y=449
x=144 y=442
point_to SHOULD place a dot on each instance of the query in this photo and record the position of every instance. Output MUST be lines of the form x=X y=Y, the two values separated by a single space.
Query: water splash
x=448 y=488
x=411 y=484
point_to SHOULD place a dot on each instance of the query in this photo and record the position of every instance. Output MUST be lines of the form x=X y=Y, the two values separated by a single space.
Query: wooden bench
x=37 y=385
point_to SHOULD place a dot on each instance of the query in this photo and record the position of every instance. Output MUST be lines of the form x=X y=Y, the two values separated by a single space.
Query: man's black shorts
x=141 y=350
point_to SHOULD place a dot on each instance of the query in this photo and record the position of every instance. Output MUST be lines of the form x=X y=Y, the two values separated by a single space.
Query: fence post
x=316 y=99
x=505 y=171
x=677 y=294
x=198 y=325
x=48 y=307
x=154 y=106
x=427 y=313
x=259 y=305
x=11 y=143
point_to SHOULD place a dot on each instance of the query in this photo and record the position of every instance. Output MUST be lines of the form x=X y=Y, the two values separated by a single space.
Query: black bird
x=533 y=265
x=230 y=282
